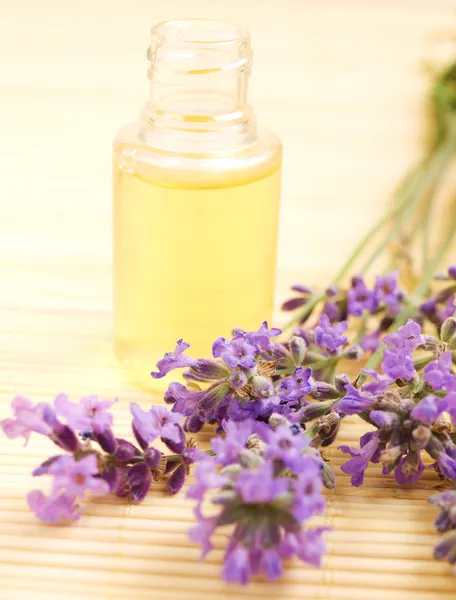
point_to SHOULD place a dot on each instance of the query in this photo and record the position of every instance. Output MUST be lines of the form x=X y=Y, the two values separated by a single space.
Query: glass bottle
x=196 y=200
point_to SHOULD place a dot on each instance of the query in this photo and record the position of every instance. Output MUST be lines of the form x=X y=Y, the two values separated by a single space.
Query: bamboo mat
x=341 y=84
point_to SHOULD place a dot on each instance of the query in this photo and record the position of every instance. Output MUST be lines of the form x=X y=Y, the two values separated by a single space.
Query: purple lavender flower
x=447 y=465
x=55 y=508
x=409 y=469
x=28 y=418
x=238 y=352
x=227 y=448
x=207 y=477
x=429 y=308
x=330 y=337
x=262 y=496
x=397 y=360
x=236 y=564
x=174 y=360
x=297 y=386
x=451 y=405
x=371 y=341
x=287 y=446
x=428 y=409
x=398 y=364
x=72 y=480
x=438 y=371
x=259 y=485
x=356 y=465
x=185 y=400
x=387 y=289
x=354 y=401
x=379 y=385
x=309 y=546
x=238 y=380
x=449 y=309
x=408 y=337
x=360 y=298
x=262 y=338
x=452 y=271
x=157 y=422
x=446 y=503
x=332 y=311
x=134 y=483
x=89 y=414
x=446 y=548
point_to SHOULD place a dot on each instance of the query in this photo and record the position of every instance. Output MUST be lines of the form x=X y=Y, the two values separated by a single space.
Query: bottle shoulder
x=196 y=169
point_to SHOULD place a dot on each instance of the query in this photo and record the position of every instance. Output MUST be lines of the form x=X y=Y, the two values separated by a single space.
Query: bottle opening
x=200 y=31
x=199 y=70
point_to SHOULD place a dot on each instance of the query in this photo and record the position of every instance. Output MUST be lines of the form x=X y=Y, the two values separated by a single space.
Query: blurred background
x=341 y=81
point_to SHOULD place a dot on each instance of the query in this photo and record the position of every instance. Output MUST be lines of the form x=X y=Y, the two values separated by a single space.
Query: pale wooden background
x=341 y=83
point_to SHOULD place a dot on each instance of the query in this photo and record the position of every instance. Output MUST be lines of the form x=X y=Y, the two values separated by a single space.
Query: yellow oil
x=190 y=262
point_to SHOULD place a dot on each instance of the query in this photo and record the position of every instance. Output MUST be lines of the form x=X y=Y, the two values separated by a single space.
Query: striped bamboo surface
x=340 y=81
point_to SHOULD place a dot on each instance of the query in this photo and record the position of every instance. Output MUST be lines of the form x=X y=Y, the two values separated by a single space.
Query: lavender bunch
x=251 y=376
x=264 y=482
x=368 y=313
x=96 y=462
x=406 y=405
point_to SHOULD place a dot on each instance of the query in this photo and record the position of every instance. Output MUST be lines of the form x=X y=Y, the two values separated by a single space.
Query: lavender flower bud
x=139 y=479
x=179 y=446
x=448 y=329
x=452 y=271
x=298 y=349
x=353 y=352
x=327 y=476
x=276 y=419
x=105 y=439
x=421 y=435
x=255 y=443
x=315 y=411
x=208 y=370
x=238 y=380
x=390 y=455
x=152 y=457
x=262 y=387
x=212 y=398
x=65 y=438
x=430 y=343
x=43 y=469
x=328 y=428
x=324 y=391
x=302 y=289
x=341 y=381
x=125 y=451
x=231 y=470
x=421 y=361
x=445 y=294
x=293 y=303
x=193 y=424
x=176 y=481
x=429 y=308
x=446 y=547
x=250 y=459
x=111 y=477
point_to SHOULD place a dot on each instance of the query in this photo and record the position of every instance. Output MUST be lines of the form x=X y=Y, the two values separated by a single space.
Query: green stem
x=430 y=177
x=402 y=197
x=403 y=193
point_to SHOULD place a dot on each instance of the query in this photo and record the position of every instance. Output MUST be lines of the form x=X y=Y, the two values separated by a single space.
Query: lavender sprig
x=97 y=462
x=264 y=482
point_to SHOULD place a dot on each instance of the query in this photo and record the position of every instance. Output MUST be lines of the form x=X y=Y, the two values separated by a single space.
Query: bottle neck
x=198 y=88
